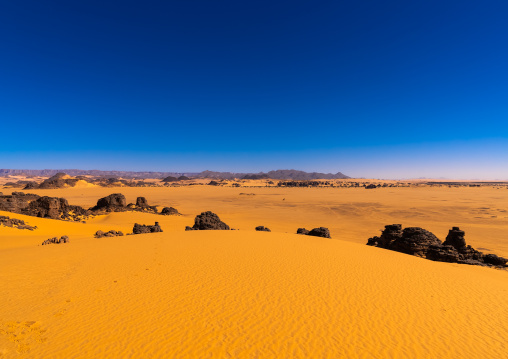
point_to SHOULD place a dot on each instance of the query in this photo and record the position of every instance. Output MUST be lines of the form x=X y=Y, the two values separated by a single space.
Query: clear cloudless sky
x=385 y=89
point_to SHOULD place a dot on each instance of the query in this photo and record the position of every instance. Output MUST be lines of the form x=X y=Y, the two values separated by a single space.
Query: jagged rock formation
x=207 y=221
x=143 y=228
x=316 y=232
x=302 y=231
x=371 y=186
x=15 y=223
x=422 y=243
x=55 y=240
x=115 y=202
x=44 y=207
x=169 y=211
x=111 y=233
x=262 y=229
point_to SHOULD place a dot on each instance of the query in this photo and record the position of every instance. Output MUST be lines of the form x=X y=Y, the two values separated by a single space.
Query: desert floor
x=247 y=294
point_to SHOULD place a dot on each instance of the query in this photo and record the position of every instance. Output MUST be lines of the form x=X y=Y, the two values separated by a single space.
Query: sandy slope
x=248 y=294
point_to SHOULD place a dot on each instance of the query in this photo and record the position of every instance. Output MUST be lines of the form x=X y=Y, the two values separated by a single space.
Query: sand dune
x=247 y=294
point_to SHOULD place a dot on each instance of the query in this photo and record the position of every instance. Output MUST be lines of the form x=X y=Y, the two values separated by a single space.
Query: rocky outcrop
x=262 y=229
x=55 y=240
x=422 y=243
x=111 y=233
x=143 y=228
x=44 y=207
x=371 y=186
x=115 y=202
x=316 y=232
x=302 y=231
x=169 y=211
x=207 y=221
x=15 y=223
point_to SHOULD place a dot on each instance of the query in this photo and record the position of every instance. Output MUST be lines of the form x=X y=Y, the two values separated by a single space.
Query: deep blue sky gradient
x=391 y=89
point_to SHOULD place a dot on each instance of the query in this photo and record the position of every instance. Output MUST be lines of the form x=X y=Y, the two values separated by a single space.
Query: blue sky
x=393 y=89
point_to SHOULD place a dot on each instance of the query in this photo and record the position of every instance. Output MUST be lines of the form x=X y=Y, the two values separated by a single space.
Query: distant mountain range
x=279 y=174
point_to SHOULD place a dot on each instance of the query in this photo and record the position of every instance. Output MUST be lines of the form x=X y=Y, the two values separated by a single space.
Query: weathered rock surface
x=44 y=207
x=55 y=240
x=113 y=203
x=422 y=243
x=208 y=221
x=15 y=223
x=169 y=211
x=316 y=232
x=143 y=228
x=111 y=233
x=263 y=229
x=320 y=232
x=302 y=231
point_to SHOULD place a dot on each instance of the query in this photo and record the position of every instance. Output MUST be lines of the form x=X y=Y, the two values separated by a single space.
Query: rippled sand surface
x=247 y=294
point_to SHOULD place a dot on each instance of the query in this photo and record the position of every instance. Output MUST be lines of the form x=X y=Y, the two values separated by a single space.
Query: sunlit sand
x=248 y=294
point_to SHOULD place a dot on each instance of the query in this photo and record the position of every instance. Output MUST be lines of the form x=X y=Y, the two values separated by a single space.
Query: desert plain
x=249 y=294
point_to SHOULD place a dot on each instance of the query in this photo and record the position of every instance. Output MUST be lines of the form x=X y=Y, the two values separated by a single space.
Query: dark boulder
x=209 y=221
x=262 y=229
x=455 y=238
x=415 y=241
x=320 y=232
x=111 y=233
x=55 y=240
x=111 y=203
x=141 y=202
x=371 y=186
x=422 y=243
x=169 y=211
x=495 y=260
x=143 y=228
x=302 y=231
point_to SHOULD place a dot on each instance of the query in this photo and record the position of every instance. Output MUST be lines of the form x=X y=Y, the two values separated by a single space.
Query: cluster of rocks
x=111 y=233
x=116 y=202
x=422 y=243
x=15 y=223
x=44 y=207
x=262 y=229
x=55 y=240
x=316 y=232
x=143 y=228
x=207 y=221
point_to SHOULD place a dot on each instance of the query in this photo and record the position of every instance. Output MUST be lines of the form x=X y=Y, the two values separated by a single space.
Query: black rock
x=111 y=203
x=320 y=232
x=143 y=228
x=263 y=229
x=168 y=211
x=302 y=231
x=209 y=221
x=455 y=238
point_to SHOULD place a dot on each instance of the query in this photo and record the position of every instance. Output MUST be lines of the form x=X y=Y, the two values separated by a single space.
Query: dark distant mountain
x=279 y=174
x=95 y=173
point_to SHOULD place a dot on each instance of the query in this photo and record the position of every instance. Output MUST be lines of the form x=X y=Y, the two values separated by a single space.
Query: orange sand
x=247 y=294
